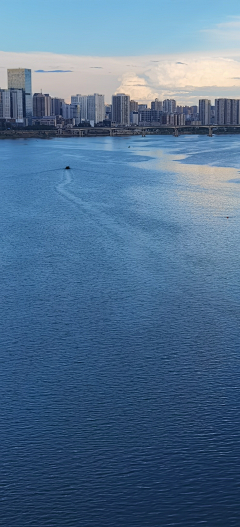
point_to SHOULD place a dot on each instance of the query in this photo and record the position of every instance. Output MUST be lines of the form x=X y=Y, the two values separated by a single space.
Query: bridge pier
x=143 y=133
x=210 y=131
x=78 y=132
x=176 y=132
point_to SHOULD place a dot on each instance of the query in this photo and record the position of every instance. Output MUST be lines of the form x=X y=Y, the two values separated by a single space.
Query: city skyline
x=138 y=88
x=185 y=54
x=19 y=107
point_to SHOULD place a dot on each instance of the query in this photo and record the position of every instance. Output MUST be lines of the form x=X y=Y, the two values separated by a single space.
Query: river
x=119 y=332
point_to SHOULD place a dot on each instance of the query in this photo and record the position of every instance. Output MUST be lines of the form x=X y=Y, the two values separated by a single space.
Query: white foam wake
x=61 y=188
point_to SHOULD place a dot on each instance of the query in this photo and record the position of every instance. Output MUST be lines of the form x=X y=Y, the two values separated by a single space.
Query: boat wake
x=62 y=188
x=102 y=220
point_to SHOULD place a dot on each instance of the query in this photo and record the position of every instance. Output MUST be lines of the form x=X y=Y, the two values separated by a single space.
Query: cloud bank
x=185 y=77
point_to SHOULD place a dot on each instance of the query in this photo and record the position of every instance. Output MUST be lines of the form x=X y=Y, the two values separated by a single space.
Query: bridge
x=150 y=130
x=188 y=129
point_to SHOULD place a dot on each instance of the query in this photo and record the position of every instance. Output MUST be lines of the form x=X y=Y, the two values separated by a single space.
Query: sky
x=181 y=49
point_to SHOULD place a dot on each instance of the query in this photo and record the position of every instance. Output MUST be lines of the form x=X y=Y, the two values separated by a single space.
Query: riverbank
x=119 y=132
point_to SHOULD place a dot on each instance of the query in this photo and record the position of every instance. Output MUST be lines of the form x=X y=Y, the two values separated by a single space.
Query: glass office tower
x=21 y=79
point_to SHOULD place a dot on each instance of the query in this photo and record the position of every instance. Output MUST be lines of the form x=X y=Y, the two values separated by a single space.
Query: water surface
x=119 y=332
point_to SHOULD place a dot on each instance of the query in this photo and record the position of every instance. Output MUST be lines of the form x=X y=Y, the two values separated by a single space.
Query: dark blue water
x=120 y=332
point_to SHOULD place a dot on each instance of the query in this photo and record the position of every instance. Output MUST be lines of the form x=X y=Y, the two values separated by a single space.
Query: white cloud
x=225 y=32
x=183 y=76
x=137 y=87
x=186 y=79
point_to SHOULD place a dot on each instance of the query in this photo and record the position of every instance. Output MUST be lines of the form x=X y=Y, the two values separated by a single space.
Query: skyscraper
x=66 y=110
x=38 y=105
x=5 y=104
x=48 y=101
x=205 y=111
x=133 y=112
x=133 y=106
x=219 y=111
x=157 y=105
x=95 y=108
x=75 y=112
x=227 y=111
x=121 y=109
x=41 y=105
x=21 y=79
x=82 y=100
x=16 y=104
x=234 y=111
x=142 y=107
x=169 y=106
x=108 y=112
x=228 y=107
x=56 y=106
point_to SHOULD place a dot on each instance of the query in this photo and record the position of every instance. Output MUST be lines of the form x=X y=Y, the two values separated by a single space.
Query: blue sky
x=112 y=27
x=147 y=48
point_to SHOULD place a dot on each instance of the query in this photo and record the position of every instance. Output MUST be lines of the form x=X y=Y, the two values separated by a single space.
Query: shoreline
x=118 y=132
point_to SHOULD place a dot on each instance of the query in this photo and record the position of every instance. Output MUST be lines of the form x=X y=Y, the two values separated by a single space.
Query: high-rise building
x=134 y=117
x=157 y=105
x=220 y=111
x=38 y=105
x=238 y=112
x=48 y=105
x=66 y=110
x=121 y=109
x=5 y=104
x=212 y=114
x=234 y=111
x=173 y=119
x=82 y=100
x=179 y=109
x=227 y=111
x=41 y=105
x=21 y=79
x=194 y=110
x=75 y=112
x=108 y=112
x=187 y=110
x=16 y=104
x=133 y=106
x=205 y=111
x=142 y=107
x=145 y=116
x=56 y=106
x=169 y=106
x=165 y=118
x=181 y=119
x=95 y=108
x=134 y=112
x=11 y=104
x=150 y=116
